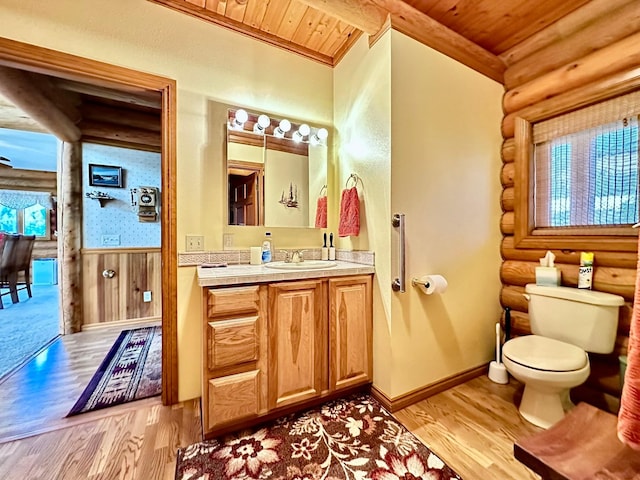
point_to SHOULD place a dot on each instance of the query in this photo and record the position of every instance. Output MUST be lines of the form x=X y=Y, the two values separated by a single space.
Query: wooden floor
x=472 y=427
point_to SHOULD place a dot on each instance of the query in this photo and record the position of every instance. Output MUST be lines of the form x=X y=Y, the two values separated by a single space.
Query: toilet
x=566 y=324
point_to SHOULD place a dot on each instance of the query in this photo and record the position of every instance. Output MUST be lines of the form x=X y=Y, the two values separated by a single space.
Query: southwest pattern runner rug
x=132 y=370
x=349 y=439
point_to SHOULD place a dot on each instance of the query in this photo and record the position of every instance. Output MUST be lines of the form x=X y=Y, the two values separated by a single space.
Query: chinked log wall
x=572 y=62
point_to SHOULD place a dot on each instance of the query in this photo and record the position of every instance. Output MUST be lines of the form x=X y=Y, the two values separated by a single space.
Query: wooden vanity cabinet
x=234 y=355
x=279 y=346
x=297 y=341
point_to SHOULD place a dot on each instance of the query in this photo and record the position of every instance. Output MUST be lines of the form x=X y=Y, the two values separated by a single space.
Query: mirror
x=277 y=177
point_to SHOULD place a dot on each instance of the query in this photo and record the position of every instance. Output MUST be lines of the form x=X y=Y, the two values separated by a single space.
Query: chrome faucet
x=293 y=256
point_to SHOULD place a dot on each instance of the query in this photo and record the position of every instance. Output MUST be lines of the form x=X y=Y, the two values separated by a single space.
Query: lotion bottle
x=267 y=248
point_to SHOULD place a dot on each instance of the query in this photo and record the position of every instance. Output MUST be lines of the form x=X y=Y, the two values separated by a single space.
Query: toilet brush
x=497 y=371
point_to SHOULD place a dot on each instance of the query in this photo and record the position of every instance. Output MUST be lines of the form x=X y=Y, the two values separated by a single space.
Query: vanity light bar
x=261 y=124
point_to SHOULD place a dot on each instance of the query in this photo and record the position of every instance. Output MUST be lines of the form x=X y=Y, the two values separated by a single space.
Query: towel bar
x=398 y=284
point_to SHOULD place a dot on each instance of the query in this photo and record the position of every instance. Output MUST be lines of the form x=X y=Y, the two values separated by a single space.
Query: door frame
x=42 y=60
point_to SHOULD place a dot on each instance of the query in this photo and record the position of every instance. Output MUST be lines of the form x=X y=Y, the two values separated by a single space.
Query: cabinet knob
x=109 y=273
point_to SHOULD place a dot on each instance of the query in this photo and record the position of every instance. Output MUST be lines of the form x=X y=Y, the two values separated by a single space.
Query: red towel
x=349 y=213
x=321 y=212
x=629 y=414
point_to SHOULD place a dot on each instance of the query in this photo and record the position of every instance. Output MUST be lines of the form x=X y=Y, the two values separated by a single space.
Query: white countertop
x=238 y=274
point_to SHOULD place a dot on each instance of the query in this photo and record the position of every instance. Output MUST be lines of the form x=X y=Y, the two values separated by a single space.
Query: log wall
x=560 y=72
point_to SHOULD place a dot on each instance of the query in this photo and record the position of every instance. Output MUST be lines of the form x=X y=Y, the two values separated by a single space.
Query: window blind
x=586 y=166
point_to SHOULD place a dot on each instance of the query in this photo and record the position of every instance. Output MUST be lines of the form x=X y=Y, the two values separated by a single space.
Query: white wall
x=286 y=171
x=117 y=216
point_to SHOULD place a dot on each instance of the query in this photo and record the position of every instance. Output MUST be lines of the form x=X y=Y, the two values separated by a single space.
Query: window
x=579 y=183
x=23 y=212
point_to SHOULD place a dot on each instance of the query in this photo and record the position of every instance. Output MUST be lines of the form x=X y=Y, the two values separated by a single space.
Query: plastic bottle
x=267 y=248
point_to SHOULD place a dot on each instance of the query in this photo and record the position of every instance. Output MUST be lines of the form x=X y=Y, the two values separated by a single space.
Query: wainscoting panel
x=120 y=298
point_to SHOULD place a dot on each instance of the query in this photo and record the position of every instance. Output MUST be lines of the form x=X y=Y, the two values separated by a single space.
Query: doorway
x=101 y=75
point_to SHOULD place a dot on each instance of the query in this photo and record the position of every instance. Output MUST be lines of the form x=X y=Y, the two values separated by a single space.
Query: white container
x=45 y=271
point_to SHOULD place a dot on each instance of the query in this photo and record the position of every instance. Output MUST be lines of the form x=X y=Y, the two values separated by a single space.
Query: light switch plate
x=195 y=243
x=227 y=241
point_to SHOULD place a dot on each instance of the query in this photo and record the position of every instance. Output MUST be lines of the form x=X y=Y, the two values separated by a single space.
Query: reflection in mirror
x=277 y=172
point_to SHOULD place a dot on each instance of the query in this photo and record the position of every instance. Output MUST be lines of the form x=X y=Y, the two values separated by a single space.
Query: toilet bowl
x=566 y=323
x=549 y=369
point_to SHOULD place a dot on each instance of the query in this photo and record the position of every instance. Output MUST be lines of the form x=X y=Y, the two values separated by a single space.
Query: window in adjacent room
x=24 y=212
x=582 y=178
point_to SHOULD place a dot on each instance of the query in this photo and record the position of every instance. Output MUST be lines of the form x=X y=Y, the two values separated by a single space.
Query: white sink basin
x=306 y=265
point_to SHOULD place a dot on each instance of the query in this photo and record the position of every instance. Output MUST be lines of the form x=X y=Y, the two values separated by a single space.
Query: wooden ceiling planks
x=496 y=25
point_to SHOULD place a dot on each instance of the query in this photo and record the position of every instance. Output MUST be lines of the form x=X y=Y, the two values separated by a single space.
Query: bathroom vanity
x=276 y=340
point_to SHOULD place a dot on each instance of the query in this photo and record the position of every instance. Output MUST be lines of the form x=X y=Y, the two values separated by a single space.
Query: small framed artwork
x=105 y=176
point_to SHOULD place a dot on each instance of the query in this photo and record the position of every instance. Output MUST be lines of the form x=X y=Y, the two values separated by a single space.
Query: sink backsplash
x=236 y=257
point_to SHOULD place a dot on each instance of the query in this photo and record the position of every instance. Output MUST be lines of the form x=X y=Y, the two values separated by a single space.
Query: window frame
x=561 y=238
x=20 y=221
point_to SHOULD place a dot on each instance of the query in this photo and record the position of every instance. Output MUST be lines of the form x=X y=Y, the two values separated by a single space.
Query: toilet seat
x=547 y=354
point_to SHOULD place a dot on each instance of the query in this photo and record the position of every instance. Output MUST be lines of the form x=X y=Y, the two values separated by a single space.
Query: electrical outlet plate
x=146 y=296
x=195 y=243
x=110 y=240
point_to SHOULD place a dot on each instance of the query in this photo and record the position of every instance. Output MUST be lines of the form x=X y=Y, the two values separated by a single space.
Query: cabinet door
x=351 y=332
x=233 y=397
x=297 y=342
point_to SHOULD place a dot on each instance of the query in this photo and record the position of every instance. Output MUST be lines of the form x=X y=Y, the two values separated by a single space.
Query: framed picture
x=105 y=176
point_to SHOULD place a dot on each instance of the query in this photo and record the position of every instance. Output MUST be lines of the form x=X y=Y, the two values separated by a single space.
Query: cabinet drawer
x=232 y=301
x=233 y=397
x=231 y=342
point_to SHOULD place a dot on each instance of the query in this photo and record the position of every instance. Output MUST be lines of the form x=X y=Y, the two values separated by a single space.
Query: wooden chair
x=583 y=445
x=8 y=268
x=24 y=251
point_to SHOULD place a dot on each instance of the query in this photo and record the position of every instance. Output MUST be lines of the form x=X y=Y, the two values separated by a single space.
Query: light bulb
x=262 y=123
x=241 y=117
x=319 y=137
x=283 y=127
x=302 y=132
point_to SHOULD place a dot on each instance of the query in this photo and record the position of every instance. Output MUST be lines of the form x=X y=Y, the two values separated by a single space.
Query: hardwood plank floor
x=37 y=397
x=472 y=427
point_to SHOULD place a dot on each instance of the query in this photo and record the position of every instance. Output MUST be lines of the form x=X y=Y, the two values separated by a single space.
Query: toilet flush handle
x=526 y=296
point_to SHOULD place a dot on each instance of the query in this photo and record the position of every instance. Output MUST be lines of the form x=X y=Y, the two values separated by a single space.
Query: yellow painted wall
x=421 y=130
x=214 y=68
x=362 y=116
x=445 y=176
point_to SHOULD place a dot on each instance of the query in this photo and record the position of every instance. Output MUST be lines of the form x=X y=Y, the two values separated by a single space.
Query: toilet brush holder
x=498 y=373
x=497 y=370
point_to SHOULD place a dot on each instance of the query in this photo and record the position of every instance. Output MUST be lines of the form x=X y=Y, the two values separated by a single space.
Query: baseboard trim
x=138 y=322
x=414 y=396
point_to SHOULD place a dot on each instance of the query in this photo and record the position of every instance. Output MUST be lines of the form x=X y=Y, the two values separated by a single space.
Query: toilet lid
x=544 y=353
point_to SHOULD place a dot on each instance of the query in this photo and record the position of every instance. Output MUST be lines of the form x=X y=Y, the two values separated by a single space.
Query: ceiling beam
x=365 y=15
x=17 y=86
x=426 y=30
x=370 y=16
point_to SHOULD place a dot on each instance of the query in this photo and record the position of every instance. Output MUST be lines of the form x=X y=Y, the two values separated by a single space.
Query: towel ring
x=323 y=189
x=353 y=177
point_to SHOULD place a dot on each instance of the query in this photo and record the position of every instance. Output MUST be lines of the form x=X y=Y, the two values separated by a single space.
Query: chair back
x=8 y=259
x=24 y=250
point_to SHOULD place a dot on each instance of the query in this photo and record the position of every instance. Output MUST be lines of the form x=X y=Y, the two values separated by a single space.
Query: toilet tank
x=581 y=317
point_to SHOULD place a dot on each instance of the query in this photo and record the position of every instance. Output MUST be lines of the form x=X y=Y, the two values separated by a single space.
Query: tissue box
x=549 y=276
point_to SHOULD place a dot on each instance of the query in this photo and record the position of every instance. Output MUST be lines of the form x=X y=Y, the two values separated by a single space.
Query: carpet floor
x=27 y=326
x=132 y=370
x=347 y=439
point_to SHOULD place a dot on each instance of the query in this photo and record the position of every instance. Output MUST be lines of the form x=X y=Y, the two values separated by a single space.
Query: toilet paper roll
x=430 y=284
x=256 y=256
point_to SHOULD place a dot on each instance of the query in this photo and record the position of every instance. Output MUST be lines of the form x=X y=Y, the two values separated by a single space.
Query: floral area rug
x=132 y=370
x=349 y=439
